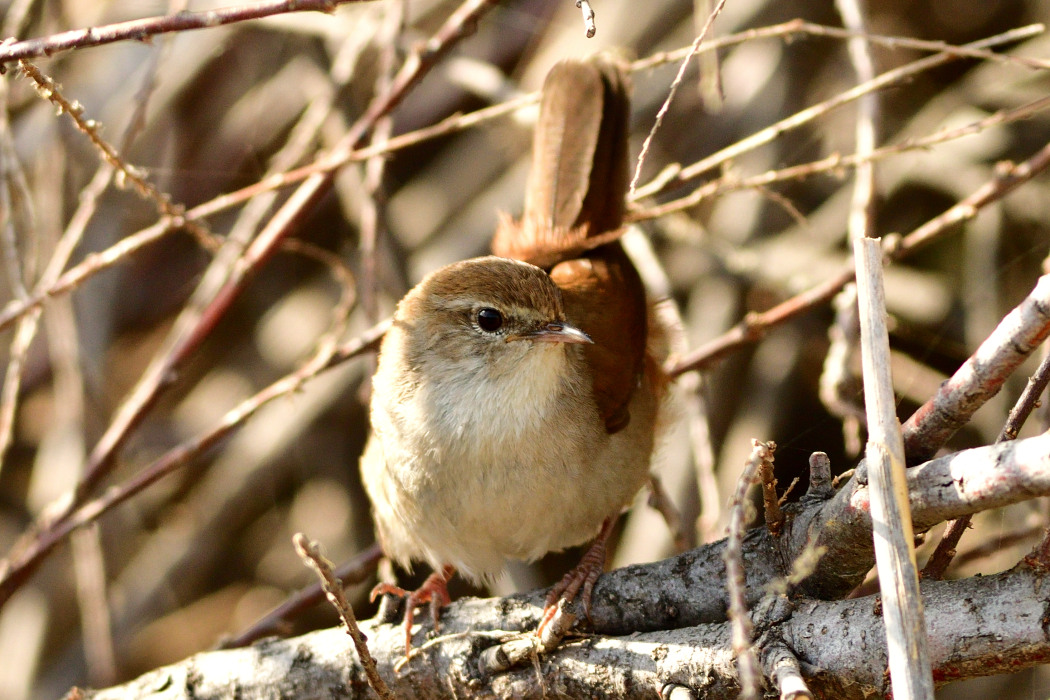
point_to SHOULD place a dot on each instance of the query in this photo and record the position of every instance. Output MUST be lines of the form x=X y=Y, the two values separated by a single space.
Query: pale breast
x=473 y=474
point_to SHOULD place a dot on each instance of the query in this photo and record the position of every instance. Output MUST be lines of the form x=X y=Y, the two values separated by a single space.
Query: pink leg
x=433 y=591
x=583 y=576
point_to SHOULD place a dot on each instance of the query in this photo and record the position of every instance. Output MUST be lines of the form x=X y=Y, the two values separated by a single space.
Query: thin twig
x=833 y=163
x=807 y=115
x=666 y=106
x=126 y=174
x=588 y=17
x=310 y=552
x=30 y=551
x=836 y=378
x=774 y=516
x=747 y=664
x=371 y=203
x=755 y=325
x=277 y=620
x=784 y=670
x=860 y=215
x=839 y=386
x=791 y=29
x=143 y=29
x=661 y=502
x=981 y=376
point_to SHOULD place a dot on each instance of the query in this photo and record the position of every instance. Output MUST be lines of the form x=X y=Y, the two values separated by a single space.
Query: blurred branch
x=1008 y=177
x=143 y=29
x=325 y=163
x=767 y=135
x=277 y=621
x=789 y=31
x=222 y=283
x=30 y=552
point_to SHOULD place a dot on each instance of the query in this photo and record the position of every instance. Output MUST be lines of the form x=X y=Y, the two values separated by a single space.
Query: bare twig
x=588 y=17
x=859 y=225
x=370 y=218
x=831 y=164
x=807 y=115
x=89 y=564
x=712 y=95
x=142 y=29
x=310 y=552
x=909 y=658
x=774 y=516
x=791 y=29
x=277 y=620
x=30 y=552
x=1026 y=402
x=784 y=670
x=946 y=549
x=755 y=325
x=981 y=376
x=670 y=96
x=660 y=501
x=49 y=90
x=839 y=386
x=747 y=664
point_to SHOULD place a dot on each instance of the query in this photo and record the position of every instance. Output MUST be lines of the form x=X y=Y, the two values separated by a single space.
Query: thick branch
x=1001 y=630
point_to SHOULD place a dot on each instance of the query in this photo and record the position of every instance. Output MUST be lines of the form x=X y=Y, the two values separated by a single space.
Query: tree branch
x=1004 y=633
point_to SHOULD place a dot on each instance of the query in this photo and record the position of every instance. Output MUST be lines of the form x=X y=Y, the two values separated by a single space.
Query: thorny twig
x=143 y=29
x=310 y=552
x=747 y=664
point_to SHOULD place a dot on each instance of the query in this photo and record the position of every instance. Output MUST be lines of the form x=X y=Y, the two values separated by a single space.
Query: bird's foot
x=434 y=592
x=579 y=581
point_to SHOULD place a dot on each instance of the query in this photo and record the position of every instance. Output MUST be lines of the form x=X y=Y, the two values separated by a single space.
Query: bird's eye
x=490 y=320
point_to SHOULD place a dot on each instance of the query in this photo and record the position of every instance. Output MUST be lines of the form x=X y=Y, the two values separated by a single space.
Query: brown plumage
x=575 y=201
x=514 y=403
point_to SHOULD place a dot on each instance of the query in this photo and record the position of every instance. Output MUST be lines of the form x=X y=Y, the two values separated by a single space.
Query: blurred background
x=206 y=551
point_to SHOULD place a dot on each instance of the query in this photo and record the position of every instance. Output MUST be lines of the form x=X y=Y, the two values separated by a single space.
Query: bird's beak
x=554 y=332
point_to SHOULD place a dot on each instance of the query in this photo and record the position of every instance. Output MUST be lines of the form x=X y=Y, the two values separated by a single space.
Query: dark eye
x=490 y=320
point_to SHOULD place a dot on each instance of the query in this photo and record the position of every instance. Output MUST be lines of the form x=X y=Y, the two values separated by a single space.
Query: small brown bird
x=514 y=404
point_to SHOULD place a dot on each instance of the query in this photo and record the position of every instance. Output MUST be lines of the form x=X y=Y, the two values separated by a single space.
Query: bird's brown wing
x=574 y=209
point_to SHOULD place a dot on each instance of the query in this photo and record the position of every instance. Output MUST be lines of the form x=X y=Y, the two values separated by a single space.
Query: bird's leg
x=433 y=591
x=582 y=576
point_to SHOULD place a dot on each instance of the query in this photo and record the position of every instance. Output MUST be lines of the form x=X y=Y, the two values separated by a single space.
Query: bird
x=516 y=397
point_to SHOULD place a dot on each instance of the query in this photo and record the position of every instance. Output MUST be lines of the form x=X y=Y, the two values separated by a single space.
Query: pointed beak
x=554 y=332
